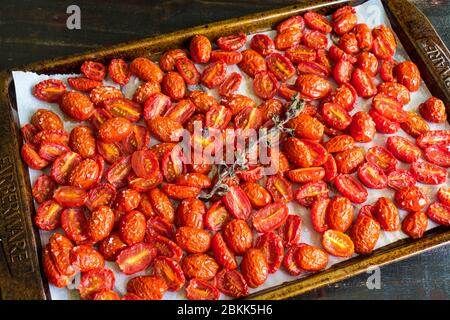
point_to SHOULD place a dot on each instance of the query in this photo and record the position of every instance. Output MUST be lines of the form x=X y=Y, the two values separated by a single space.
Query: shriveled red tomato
x=439 y=213
x=362 y=128
x=310 y=258
x=269 y=218
x=262 y=44
x=279 y=188
x=190 y=212
x=387 y=70
x=222 y=253
x=396 y=91
x=265 y=84
x=95 y=281
x=119 y=71
x=381 y=157
x=318 y=214
x=231 y=283
x=306 y=175
x=290 y=232
x=100 y=223
x=70 y=196
x=414 y=124
x=157 y=226
x=147 y=287
x=310 y=192
x=252 y=62
x=428 y=173
x=254 y=267
x=336 y=116
x=214 y=74
x=169 y=58
x=337 y=243
x=316 y=21
x=389 y=108
x=438 y=138
x=363 y=84
x=229 y=57
x=118 y=172
x=93 y=70
x=287 y=39
x=433 y=110
x=344 y=20
x=386 y=213
x=289 y=261
x=170 y=271
x=342 y=71
x=312 y=87
x=384 y=44
x=232 y=42
x=312 y=67
x=438 y=155
x=165 y=247
x=400 y=178
x=74 y=224
x=315 y=40
x=32 y=158
x=53 y=275
x=231 y=84
x=403 y=149
x=363 y=36
x=124 y=108
x=193 y=240
x=339 y=213
x=345 y=95
x=301 y=53
x=280 y=66
x=200 y=49
x=349 y=160
x=48 y=215
x=83 y=84
x=50 y=90
x=85 y=258
x=43 y=188
x=336 y=54
x=411 y=198
x=351 y=188
x=365 y=233
x=383 y=124
x=415 y=224
x=188 y=70
x=372 y=176
x=200 y=266
x=349 y=43
x=408 y=75
x=369 y=63
x=237 y=202
x=330 y=168
x=201 y=290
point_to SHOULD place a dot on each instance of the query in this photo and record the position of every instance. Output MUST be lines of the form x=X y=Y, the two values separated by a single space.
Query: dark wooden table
x=36 y=30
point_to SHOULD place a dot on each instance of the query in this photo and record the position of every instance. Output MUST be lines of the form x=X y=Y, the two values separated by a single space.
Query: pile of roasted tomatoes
x=118 y=197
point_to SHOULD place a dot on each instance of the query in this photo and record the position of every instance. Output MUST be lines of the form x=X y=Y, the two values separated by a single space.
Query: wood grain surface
x=36 y=30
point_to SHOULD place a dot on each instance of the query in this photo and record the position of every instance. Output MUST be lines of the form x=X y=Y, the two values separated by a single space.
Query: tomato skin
x=100 y=223
x=428 y=173
x=310 y=258
x=53 y=275
x=200 y=266
x=187 y=69
x=411 y=198
x=344 y=20
x=408 y=75
x=287 y=38
x=169 y=58
x=372 y=176
x=254 y=268
x=363 y=84
x=190 y=212
x=43 y=188
x=433 y=110
x=312 y=87
x=362 y=128
x=222 y=253
x=301 y=53
x=415 y=224
x=271 y=245
x=269 y=218
x=330 y=168
x=232 y=42
x=280 y=189
x=365 y=233
x=83 y=84
x=32 y=158
x=48 y=215
x=438 y=138
x=238 y=236
x=414 y=125
x=111 y=246
x=337 y=243
x=345 y=95
x=439 y=213
x=69 y=196
x=265 y=84
x=60 y=248
x=257 y=194
x=369 y=63
x=306 y=175
x=82 y=141
x=161 y=204
x=387 y=70
x=208 y=291
x=315 y=40
x=229 y=57
x=339 y=214
x=438 y=155
x=50 y=90
x=307 y=127
x=165 y=129
x=147 y=287
x=237 y=102
x=237 y=203
x=387 y=215
x=403 y=149
x=262 y=44
x=252 y=62
x=132 y=227
x=389 y=108
x=363 y=36
x=316 y=21
x=348 y=161
x=384 y=44
x=165 y=247
x=382 y=158
x=280 y=66
x=44 y=119
x=146 y=70
x=231 y=283
x=193 y=240
x=93 y=70
x=170 y=271
x=173 y=85
x=351 y=188
x=337 y=54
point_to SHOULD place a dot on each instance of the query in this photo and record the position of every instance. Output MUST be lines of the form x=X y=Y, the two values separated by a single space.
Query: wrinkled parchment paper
x=372 y=13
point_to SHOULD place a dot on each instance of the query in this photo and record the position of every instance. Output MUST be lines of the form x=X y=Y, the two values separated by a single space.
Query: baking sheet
x=372 y=13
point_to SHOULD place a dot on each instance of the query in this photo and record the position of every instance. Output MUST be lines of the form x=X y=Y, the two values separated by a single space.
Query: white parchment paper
x=372 y=13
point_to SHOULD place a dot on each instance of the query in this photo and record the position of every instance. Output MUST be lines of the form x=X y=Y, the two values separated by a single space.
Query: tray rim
x=391 y=253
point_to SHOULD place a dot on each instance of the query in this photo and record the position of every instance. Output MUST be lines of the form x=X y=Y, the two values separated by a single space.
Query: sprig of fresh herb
x=225 y=171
